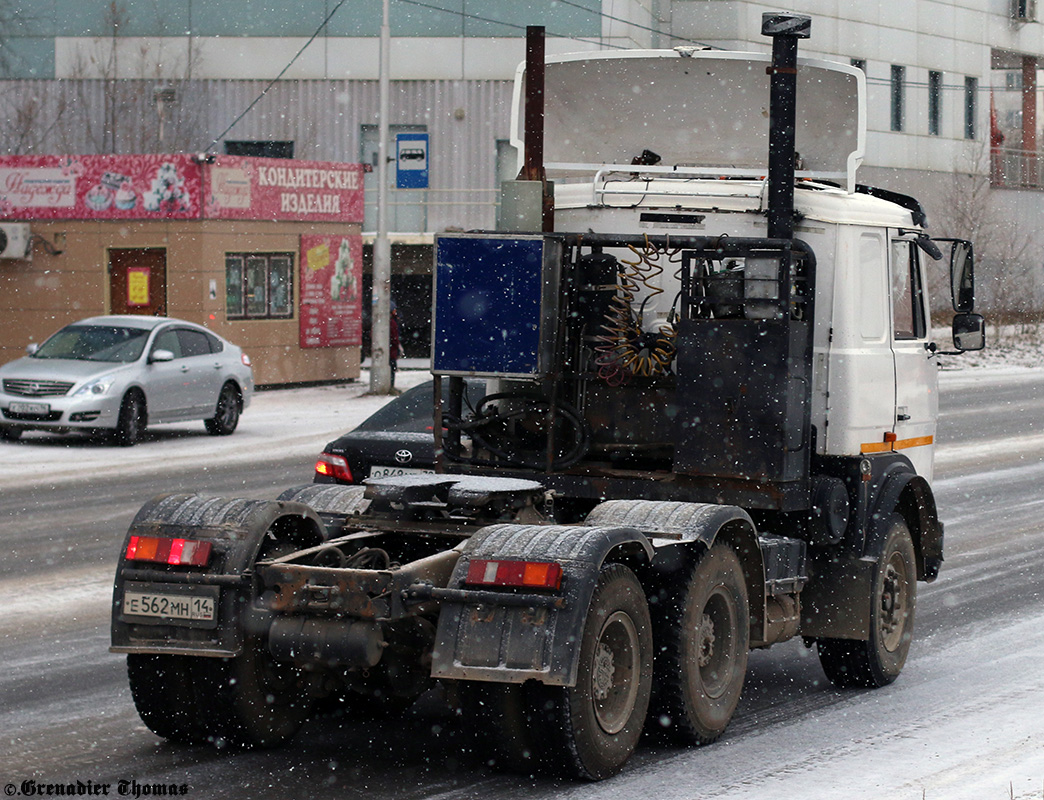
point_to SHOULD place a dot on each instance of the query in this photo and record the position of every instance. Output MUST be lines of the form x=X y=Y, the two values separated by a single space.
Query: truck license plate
x=29 y=408
x=164 y=604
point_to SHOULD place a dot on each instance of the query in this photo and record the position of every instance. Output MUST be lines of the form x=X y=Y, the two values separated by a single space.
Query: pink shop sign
x=100 y=187
x=283 y=189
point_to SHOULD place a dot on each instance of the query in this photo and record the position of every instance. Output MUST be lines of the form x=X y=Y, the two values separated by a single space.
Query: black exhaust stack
x=785 y=30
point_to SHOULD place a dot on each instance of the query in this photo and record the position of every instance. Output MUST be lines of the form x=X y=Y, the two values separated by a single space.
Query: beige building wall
x=38 y=297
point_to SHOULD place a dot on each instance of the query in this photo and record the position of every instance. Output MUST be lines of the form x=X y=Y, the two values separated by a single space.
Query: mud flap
x=836 y=603
x=511 y=640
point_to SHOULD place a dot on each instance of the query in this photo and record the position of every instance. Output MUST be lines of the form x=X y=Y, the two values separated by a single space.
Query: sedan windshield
x=95 y=343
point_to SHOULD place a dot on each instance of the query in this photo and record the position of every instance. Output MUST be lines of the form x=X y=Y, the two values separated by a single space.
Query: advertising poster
x=331 y=291
x=138 y=286
x=237 y=187
x=100 y=187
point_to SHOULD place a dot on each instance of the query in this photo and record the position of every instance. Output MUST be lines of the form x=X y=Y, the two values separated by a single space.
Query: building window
x=1024 y=10
x=859 y=63
x=971 y=97
x=259 y=285
x=260 y=149
x=898 y=96
x=934 y=103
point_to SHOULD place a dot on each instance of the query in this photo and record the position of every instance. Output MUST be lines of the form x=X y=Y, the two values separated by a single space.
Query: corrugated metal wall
x=323 y=118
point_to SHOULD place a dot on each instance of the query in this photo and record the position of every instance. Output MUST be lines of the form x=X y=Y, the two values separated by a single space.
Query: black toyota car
x=396 y=440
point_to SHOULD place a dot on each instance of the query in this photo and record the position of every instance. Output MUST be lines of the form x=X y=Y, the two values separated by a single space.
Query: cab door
x=916 y=372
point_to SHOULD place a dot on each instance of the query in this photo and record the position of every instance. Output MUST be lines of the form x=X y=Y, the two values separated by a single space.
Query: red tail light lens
x=245 y=359
x=522 y=574
x=165 y=550
x=333 y=466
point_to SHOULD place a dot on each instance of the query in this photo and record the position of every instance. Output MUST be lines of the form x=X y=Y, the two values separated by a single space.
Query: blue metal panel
x=488 y=305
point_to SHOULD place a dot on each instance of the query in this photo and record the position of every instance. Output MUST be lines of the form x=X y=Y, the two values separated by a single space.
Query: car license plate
x=391 y=472
x=160 y=604
x=29 y=408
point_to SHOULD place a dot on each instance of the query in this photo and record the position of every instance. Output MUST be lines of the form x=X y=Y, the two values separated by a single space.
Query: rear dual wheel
x=592 y=728
x=243 y=702
x=702 y=645
x=165 y=697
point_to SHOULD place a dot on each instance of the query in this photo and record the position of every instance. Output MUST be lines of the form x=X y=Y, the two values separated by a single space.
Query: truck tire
x=161 y=686
x=703 y=638
x=10 y=434
x=502 y=719
x=592 y=728
x=226 y=413
x=252 y=700
x=878 y=661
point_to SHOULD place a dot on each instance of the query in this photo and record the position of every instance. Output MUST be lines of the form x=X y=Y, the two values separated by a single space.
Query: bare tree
x=117 y=100
x=1008 y=276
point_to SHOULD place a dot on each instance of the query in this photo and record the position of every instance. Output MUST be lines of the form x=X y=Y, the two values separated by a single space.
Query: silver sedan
x=118 y=374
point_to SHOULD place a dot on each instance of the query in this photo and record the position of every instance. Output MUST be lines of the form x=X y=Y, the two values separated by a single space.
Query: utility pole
x=380 y=333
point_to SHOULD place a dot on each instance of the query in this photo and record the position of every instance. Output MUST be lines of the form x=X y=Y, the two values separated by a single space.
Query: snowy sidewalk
x=278 y=423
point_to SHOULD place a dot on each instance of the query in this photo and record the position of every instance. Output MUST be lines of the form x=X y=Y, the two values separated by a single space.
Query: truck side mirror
x=969 y=332
x=31 y=348
x=962 y=277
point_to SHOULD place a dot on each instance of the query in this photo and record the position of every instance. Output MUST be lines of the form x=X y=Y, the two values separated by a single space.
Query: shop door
x=138 y=281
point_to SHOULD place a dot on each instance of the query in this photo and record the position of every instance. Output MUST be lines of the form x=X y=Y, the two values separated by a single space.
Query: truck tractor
x=708 y=426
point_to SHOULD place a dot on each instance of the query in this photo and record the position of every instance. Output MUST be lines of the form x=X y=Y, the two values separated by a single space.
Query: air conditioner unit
x=14 y=240
x=1024 y=10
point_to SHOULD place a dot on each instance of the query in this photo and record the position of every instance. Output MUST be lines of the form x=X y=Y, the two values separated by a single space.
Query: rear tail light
x=245 y=359
x=520 y=574
x=333 y=466
x=165 y=550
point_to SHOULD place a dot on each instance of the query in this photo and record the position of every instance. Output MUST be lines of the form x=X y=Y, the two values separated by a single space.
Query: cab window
x=908 y=318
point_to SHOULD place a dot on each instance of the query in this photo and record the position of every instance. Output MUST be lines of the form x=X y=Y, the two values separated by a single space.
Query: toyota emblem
x=403 y=456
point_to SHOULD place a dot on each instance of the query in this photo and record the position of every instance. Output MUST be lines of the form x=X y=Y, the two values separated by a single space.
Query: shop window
x=259 y=285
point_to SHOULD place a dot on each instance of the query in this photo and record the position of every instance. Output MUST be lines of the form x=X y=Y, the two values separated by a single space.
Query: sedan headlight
x=98 y=386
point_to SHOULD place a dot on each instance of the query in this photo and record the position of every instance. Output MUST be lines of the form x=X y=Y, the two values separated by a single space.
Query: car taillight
x=333 y=467
x=245 y=359
x=166 y=550
x=527 y=574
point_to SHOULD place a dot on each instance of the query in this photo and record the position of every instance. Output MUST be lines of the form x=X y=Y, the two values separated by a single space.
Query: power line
x=282 y=72
x=323 y=24
x=636 y=25
x=515 y=26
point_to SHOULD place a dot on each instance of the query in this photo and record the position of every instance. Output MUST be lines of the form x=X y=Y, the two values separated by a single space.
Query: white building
x=952 y=88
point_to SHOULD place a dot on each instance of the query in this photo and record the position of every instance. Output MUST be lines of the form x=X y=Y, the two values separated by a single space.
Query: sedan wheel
x=226 y=416
x=131 y=423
